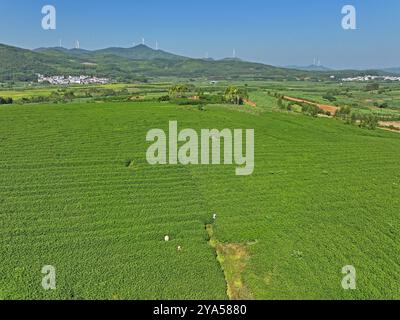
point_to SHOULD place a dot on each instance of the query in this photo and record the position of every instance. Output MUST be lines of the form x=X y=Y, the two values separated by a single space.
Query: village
x=371 y=78
x=67 y=80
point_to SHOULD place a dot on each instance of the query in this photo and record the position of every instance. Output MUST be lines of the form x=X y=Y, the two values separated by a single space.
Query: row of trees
x=6 y=100
x=68 y=95
x=234 y=95
x=383 y=105
x=368 y=121
x=305 y=108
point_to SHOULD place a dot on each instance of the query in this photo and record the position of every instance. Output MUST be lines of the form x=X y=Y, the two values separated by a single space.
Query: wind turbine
x=143 y=42
x=234 y=53
x=156 y=45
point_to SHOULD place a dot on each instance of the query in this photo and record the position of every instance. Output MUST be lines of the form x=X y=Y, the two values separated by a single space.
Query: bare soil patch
x=389 y=124
x=324 y=107
x=250 y=103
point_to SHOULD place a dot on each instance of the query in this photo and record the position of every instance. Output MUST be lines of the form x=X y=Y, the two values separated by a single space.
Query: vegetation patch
x=233 y=259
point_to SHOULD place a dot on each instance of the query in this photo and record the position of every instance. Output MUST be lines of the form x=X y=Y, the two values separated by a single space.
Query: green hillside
x=20 y=64
x=129 y=64
x=78 y=194
x=142 y=62
x=140 y=52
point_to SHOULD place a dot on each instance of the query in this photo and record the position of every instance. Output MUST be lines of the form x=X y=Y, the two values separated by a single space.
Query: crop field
x=77 y=193
x=45 y=91
x=350 y=94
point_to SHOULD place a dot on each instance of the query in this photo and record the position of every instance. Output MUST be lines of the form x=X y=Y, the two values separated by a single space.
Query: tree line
x=6 y=100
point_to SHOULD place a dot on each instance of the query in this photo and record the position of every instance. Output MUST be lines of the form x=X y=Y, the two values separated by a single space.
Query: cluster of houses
x=62 y=80
x=371 y=78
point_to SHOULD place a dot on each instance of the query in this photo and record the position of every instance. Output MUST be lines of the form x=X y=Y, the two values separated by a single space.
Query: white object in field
x=179 y=248
x=166 y=238
x=214 y=216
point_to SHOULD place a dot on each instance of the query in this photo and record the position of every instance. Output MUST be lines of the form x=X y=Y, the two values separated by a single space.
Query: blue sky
x=284 y=32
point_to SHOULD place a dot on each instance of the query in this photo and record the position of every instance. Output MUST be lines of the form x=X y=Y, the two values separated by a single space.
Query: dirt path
x=250 y=103
x=388 y=124
x=325 y=107
x=393 y=126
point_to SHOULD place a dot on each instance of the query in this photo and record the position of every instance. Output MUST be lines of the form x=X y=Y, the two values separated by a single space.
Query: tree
x=310 y=109
x=280 y=104
x=344 y=112
x=236 y=95
x=369 y=122
x=69 y=96
x=329 y=97
x=384 y=105
x=179 y=90
x=372 y=87
x=6 y=100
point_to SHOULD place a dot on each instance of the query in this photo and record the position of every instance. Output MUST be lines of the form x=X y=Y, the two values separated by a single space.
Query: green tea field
x=77 y=193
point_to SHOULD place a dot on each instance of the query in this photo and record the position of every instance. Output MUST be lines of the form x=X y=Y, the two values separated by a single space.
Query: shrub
x=369 y=122
x=164 y=98
x=343 y=112
x=372 y=87
x=180 y=90
x=6 y=100
x=384 y=105
x=310 y=110
x=329 y=97
x=280 y=103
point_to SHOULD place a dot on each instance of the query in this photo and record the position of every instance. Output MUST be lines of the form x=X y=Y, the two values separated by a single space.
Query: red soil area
x=325 y=107
x=250 y=103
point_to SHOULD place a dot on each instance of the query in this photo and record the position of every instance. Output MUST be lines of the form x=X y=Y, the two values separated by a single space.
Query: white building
x=62 y=80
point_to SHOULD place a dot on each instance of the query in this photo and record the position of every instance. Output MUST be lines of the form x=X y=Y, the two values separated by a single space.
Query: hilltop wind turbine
x=60 y=43
x=77 y=45
x=234 y=53
x=156 y=45
x=143 y=42
x=206 y=56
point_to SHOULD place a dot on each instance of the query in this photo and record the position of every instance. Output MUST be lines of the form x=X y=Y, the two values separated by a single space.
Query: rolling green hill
x=20 y=64
x=123 y=64
x=141 y=62
x=140 y=52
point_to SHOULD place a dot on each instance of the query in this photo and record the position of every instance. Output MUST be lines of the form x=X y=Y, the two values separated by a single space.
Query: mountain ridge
x=140 y=63
x=311 y=67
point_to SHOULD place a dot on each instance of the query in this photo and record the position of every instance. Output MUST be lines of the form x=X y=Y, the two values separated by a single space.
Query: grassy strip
x=233 y=259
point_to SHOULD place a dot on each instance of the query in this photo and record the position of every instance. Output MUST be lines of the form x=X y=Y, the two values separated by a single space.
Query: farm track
x=324 y=107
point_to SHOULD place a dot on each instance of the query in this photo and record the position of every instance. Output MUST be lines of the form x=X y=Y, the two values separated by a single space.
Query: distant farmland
x=77 y=193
